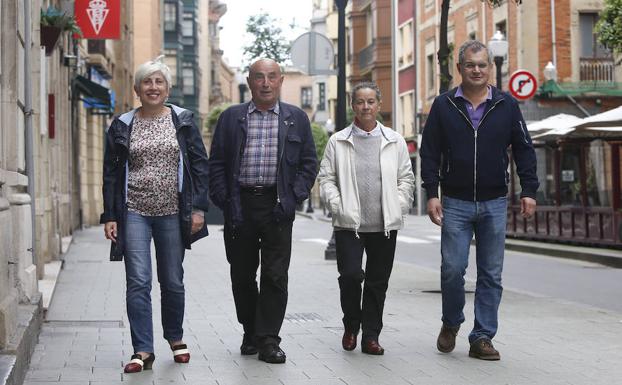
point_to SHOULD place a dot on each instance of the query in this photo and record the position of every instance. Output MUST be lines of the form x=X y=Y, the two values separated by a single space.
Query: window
x=406 y=114
x=306 y=97
x=590 y=48
x=405 y=45
x=171 y=61
x=188 y=75
x=187 y=27
x=321 y=92
x=170 y=16
x=430 y=72
x=473 y=36
x=369 y=26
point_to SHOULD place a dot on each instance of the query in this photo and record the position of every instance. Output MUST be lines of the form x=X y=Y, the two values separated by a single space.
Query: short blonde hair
x=150 y=67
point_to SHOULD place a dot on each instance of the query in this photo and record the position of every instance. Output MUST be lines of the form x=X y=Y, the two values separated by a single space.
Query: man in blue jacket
x=262 y=164
x=464 y=147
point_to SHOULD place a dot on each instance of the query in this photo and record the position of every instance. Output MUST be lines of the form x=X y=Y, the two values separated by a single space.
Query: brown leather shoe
x=348 y=342
x=446 y=341
x=372 y=347
x=484 y=350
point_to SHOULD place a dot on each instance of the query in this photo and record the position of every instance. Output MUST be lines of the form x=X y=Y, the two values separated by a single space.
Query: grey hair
x=149 y=68
x=359 y=86
x=475 y=46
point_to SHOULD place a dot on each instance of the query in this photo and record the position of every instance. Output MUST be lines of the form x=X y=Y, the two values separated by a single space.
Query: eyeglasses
x=471 y=66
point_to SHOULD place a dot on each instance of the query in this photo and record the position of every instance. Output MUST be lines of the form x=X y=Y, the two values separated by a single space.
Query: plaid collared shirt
x=259 y=161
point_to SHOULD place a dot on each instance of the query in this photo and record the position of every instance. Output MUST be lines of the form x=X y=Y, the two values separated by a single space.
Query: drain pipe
x=553 y=36
x=29 y=145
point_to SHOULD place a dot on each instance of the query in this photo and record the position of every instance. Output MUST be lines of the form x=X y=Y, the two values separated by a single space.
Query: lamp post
x=550 y=72
x=498 y=48
x=340 y=121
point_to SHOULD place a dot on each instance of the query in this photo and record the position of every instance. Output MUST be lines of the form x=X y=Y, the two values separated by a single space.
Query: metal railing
x=600 y=70
x=366 y=55
x=578 y=225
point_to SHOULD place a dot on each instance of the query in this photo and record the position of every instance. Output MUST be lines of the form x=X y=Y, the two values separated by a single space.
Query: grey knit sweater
x=369 y=182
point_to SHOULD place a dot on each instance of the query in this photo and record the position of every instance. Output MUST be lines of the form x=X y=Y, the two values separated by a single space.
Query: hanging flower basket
x=53 y=23
x=49 y=38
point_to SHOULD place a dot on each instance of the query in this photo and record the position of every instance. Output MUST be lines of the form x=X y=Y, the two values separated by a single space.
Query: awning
x=608 y=118
x=551 y=88
x=96 y=95
x=552 y=123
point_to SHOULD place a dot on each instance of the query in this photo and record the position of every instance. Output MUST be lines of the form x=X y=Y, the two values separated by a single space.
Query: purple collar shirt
x=475 y=114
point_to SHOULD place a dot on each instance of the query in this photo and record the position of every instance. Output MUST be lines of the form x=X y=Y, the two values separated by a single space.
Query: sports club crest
x=97 y=12
x=99 y=19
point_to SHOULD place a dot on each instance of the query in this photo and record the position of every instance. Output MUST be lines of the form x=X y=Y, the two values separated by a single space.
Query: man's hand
x=527 y=207
x=197 y=221
x=110 y=230
x=435 y=211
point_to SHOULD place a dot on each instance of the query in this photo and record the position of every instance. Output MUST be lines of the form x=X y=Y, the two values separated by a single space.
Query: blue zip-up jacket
x=471 y=163
x=296 y=162
x=192 y=175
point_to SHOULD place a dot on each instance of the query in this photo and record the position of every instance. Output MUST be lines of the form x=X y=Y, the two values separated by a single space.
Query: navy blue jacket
x=296 y=164
x=192 y=175
x=471 y=164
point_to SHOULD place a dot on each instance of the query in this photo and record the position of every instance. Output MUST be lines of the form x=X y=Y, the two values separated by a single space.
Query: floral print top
x=152 y=188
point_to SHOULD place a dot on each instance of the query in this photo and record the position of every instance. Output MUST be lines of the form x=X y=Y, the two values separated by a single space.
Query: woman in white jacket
x=367 y=182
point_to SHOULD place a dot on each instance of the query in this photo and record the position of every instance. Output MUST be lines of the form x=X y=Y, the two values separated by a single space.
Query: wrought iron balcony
x=599 y=70
x=366 y=55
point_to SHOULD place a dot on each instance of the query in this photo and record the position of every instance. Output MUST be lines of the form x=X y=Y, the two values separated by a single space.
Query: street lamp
x=340 y=121
x=498 y=48
x=550 y=72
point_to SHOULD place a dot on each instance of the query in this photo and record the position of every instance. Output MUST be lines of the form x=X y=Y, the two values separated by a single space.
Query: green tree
x=444 y=49
x=320 y=137
x=267 y=40
x=213 y=115
x=609 y=27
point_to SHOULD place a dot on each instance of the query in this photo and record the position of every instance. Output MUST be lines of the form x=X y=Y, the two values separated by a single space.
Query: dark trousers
x=380 y=251
x=259 y=238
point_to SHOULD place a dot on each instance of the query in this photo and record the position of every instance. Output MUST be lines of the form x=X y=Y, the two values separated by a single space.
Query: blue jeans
x=166 y=234
x=462 y=219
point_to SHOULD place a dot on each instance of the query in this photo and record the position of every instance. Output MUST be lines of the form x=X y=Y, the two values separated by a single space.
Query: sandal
x=138 y=364
x=181 y=354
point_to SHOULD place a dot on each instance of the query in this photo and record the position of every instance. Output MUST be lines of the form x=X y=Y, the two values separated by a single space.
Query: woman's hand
x=197 y=221
x=110 y=230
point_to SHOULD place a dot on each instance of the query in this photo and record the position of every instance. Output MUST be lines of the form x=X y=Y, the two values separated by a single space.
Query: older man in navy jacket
x=464 y=147
x=262 y=163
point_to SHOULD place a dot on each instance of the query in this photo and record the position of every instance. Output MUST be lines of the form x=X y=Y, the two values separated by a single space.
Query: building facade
x=148 y=39
x=370 y=53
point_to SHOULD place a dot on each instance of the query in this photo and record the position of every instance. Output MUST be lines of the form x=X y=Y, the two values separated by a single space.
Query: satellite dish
x=313 y=53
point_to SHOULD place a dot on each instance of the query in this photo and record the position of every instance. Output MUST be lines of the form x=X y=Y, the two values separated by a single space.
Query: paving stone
x=86 y=339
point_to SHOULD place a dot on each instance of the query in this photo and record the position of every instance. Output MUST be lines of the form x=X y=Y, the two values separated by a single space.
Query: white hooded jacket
x=338 y=185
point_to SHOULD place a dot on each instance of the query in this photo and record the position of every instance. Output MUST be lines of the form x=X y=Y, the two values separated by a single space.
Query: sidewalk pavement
x=86 y=339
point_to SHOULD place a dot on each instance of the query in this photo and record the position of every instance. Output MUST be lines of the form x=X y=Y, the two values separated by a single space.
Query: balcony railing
x=599 y=70
x=366 y=56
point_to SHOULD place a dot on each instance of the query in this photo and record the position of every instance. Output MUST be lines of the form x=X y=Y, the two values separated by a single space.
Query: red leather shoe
x=372 y=347
x=138 y=364
x=348 y=341
x=181 y=354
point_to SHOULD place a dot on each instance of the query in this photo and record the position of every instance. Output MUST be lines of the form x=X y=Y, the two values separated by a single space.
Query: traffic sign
x=523 y=85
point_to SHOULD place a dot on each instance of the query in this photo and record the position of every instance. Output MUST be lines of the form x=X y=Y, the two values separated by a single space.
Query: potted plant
x=53 y=23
